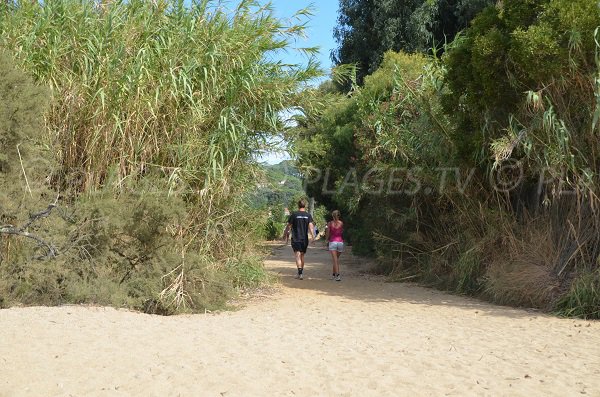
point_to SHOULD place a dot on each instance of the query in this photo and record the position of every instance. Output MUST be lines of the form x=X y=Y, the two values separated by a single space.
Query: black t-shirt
x=299 y=221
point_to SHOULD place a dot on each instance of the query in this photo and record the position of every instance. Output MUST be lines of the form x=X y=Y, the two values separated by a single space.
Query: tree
x=368 y=28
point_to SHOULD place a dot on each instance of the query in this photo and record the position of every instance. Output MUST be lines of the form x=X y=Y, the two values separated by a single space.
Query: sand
x=358 y=337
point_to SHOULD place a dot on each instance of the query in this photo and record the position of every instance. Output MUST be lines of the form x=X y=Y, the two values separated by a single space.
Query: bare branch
x=51 y=251
x=38 y=215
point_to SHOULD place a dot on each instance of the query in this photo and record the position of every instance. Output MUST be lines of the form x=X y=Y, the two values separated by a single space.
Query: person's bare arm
x=327 y=232
x=286 y=232
x=311 y=227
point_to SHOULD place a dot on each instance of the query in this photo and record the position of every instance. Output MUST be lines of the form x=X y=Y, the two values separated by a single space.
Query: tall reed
x=166 y=97
x=138 y=84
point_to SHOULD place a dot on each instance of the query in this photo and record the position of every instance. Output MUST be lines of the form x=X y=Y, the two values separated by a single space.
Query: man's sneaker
x=338 y=278
x=297 y=276
x=301 y=277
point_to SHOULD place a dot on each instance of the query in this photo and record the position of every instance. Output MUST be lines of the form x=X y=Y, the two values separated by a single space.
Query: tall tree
x=355 y=34
x=368 y=28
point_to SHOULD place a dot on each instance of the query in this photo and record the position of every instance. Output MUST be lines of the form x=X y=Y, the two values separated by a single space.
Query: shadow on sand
x=358 y=284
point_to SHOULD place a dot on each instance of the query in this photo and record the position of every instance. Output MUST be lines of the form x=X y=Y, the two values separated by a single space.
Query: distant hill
x=284 y=174
x=281 y=184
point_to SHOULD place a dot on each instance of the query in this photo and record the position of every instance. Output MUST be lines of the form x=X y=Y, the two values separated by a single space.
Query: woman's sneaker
x=338 y=278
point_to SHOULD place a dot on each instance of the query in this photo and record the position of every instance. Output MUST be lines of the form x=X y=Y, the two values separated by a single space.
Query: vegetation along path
x=361 y=336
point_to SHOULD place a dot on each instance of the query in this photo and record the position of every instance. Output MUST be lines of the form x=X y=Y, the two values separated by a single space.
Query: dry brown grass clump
x=521 y=273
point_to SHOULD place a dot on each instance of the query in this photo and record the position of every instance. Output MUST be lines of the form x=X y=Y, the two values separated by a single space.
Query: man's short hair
x=301 y=203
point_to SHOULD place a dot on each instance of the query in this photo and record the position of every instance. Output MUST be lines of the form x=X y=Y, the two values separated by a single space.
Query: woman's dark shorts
x=300 y=246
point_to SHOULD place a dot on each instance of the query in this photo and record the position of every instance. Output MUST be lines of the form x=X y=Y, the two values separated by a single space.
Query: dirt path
x=358 y=337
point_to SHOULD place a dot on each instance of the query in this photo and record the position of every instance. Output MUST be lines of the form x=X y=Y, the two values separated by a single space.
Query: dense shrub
x=517 y=47
x=368 y=29
x=515 y=96
x=147 y=151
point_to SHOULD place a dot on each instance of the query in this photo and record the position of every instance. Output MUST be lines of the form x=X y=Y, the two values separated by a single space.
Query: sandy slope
x=313 y=337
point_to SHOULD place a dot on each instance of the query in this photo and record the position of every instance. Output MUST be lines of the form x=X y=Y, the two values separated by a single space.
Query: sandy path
x=314 y=337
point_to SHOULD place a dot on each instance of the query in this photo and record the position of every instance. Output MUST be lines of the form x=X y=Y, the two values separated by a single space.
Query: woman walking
x=333 y=235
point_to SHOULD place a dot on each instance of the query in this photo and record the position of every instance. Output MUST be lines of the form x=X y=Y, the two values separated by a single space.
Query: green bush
x=157 y=109
x=126 y=251
x=518 y=88
x=467 y=271
x=537 y=55
x=583 y=298
x=23 y=142
x=273 y=229
x=519 y=46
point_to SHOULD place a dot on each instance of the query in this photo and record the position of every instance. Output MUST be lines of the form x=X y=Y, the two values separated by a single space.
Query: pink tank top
x=335 y=233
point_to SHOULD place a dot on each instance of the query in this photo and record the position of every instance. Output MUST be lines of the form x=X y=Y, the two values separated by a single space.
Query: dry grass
x=522 y=270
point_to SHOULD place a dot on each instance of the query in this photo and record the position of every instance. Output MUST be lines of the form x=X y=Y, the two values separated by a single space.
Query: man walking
x=300 y=222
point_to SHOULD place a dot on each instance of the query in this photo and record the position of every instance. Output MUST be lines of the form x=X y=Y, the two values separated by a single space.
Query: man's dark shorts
x=300 y=246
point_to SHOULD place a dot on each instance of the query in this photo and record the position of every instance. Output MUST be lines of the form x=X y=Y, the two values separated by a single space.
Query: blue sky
x=320 y=27
x=319 y=33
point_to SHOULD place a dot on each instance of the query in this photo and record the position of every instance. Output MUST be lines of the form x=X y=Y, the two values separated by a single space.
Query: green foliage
x=273 y=229
x=390 y=104
x=127 y=251
x=516 y=92
x=355 y=36
x=279 y=184
x=156 y=84
x=379 y=125
x=157 y=109
x=583 y=299
x=248 y=272
x=367 y=29
x=22 y=104
x=321 y=216
x=520 y=46
x=467 y=271
x=517 y=13
x=538 y=50
x=24 y=154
